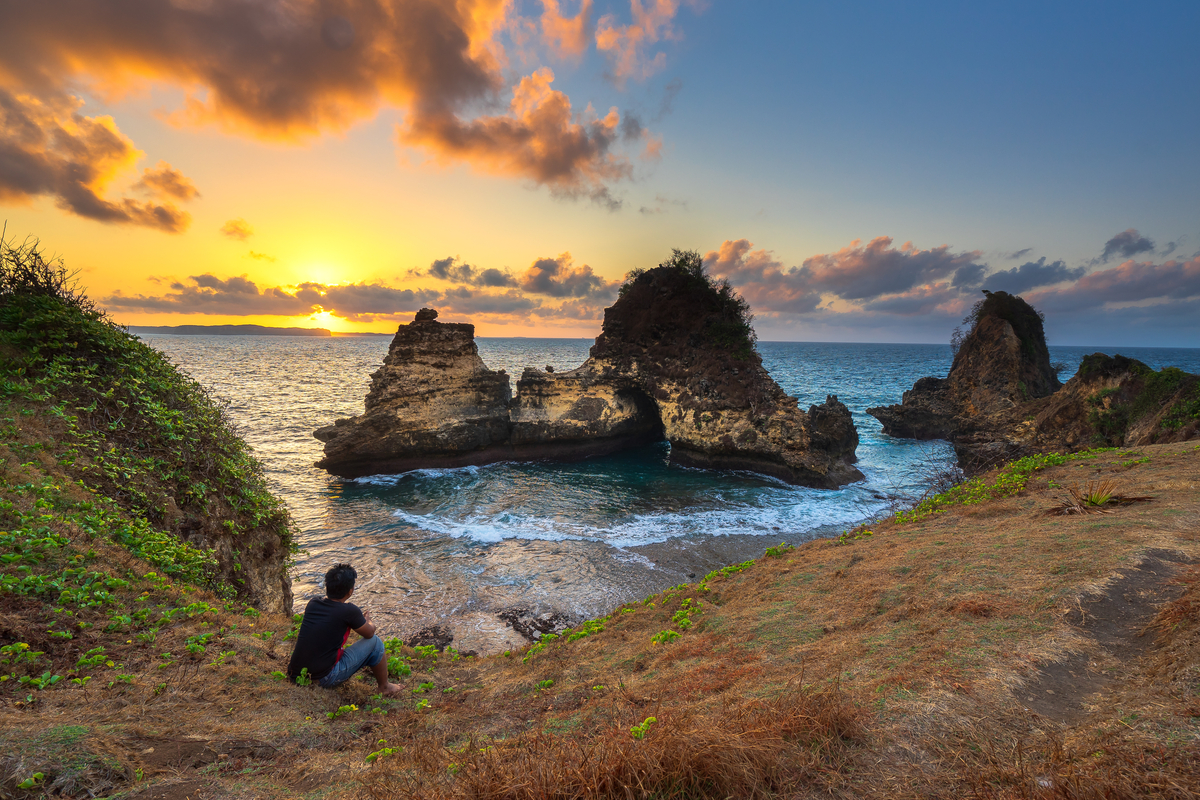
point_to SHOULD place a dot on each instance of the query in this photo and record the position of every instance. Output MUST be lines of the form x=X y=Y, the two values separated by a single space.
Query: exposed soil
x=183 y=790
x=1117 y=619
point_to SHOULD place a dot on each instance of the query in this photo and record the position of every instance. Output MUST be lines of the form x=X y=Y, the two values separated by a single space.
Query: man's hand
x=368 y=629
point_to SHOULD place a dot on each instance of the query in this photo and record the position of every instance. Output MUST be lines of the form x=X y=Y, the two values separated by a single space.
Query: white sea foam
x=650 y=527
x=415 y=474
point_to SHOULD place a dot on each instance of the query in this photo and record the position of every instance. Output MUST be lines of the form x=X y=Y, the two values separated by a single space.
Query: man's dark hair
x=339 y=581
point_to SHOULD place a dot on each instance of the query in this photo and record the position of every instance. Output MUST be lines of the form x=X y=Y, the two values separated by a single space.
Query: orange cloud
x=539 y=138
x=48 y=149
x=866 y=272
x=568 y=37
x=581 y=291
x=237 y=229
x=297 y=69
x=166 y=181
x=1129 y=282
x=901 y=280
x=626 y=45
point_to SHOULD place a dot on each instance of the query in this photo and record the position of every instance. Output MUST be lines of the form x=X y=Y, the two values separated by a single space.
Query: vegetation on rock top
x=728 y=321
x=1027 y=322
x=1170 y=393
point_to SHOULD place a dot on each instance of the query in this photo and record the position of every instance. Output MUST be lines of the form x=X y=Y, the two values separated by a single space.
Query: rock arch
x=661 y=368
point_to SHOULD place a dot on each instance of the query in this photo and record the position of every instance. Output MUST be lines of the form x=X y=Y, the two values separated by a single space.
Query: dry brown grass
x=756 y=749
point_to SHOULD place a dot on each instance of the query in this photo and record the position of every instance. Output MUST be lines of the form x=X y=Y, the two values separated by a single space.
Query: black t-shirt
x=323 y=633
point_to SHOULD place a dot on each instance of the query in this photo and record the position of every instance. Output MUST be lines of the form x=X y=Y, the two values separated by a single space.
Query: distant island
x=241 y=330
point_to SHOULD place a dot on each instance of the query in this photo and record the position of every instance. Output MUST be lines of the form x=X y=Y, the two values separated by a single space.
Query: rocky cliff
x=1002 y=400
x=1001 y=363
x=675 y=360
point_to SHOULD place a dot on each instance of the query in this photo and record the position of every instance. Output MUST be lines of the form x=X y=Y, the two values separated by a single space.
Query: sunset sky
x=859 y=171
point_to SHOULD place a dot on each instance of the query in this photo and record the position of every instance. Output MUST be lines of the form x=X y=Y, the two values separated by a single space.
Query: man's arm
x=368 y=628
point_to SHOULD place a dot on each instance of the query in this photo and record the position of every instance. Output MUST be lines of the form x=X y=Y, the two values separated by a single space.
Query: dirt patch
x=163 y=753
x=318 y=780
x=160 y=753
x=1116 y=619
x=184 y=790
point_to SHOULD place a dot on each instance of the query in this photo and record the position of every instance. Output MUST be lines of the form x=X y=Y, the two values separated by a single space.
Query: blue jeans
x=363 y=653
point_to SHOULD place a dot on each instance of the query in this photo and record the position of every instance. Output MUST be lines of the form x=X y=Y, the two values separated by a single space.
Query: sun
x=324 y=319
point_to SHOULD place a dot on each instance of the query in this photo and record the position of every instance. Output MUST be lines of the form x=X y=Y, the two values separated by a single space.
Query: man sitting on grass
x=321 y=643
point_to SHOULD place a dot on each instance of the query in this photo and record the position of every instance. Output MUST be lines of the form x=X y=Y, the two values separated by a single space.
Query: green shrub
x=731 y=327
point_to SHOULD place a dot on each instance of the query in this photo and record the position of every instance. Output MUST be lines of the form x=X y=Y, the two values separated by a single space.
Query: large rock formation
x=1001 y=363
x=675 y=360
x=1002 y=399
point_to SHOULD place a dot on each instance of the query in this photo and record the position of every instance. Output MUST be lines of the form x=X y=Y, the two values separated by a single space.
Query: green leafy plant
x=221 y=658
x=723 y=572
x=44 y=681
x=541 y=645
x=586 y=629
x=304 y=679
x=662 y=637
x=382 y=751
x=683 y=617
x=1007 y=481
x=779 y=550
x=543 y=685
x=854 y=535
x=639 y=731
x=342 y=711
x=32 y=782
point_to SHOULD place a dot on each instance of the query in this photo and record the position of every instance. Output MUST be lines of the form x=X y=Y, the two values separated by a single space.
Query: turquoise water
x=457 y=545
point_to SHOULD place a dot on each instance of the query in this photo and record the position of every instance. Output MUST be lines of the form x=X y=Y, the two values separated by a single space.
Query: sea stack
x=1003 y=400
x=675 y=360
x=1002 y=362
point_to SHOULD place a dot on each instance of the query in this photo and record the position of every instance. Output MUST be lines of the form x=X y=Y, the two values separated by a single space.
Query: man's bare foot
x=391 y=690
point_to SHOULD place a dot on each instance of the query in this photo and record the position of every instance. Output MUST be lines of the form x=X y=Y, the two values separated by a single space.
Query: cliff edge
x=675 y=360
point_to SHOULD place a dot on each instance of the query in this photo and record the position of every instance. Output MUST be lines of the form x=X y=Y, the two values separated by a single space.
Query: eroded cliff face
x=668 y=364
x=1001 y=401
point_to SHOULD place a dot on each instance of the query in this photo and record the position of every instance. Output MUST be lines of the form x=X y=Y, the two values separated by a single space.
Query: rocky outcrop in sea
x=675 y=360
x=1003 y=400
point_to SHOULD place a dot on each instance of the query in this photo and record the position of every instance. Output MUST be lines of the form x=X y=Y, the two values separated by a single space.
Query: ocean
x=456 y=546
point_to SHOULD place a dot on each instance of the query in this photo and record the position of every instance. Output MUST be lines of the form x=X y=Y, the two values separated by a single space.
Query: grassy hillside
x=109 y=423
x=1032 y=633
